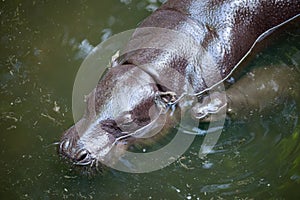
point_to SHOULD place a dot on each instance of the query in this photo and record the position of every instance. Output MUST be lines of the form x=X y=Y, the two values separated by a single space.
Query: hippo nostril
x=64 y=146
x=83 y=157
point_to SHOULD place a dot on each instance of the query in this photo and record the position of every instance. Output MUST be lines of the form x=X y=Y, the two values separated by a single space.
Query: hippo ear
x=165 y=99
x=212 y=107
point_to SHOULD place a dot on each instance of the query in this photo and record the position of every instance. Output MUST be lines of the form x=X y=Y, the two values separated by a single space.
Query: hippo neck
x=225 y=30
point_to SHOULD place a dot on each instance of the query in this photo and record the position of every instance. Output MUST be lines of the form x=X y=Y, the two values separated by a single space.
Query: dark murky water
x=42 y=45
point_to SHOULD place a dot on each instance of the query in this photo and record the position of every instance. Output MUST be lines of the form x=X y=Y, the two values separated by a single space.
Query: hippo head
x=123 y=104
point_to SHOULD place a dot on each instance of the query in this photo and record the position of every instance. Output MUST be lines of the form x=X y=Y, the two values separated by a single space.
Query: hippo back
x=224 y=31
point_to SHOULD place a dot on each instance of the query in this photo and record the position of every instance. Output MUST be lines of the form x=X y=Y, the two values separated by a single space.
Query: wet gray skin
x=115 y=108
x=128 y=99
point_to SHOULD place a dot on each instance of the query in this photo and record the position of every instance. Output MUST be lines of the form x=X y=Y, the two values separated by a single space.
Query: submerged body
x=130 y=99
x=262 y=91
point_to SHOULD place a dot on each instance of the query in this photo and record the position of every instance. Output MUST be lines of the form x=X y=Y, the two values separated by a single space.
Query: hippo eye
x=128 y=120
x=126 y=123
x=125 y=120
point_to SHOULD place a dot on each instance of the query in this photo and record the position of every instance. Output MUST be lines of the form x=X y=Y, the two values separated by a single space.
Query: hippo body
x=226 y=30
x=147 y=80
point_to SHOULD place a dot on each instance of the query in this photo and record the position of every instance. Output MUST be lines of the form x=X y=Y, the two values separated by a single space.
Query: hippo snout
x=88 y=142
x=79 y=156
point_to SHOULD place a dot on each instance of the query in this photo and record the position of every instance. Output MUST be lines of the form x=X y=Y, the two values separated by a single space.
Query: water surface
x=42 y=46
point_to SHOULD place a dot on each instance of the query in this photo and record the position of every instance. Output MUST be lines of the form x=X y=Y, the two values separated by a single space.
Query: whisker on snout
x=55 y=143
x=52 y=144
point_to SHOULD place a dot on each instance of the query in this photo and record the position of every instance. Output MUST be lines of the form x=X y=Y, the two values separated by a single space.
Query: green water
x=42 y=46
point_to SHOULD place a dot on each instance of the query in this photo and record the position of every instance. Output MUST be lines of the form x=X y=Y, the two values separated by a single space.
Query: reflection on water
x=43 y=44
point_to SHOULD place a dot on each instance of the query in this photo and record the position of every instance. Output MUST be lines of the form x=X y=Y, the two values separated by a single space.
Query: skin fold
x=205 y=41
